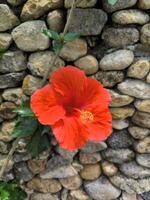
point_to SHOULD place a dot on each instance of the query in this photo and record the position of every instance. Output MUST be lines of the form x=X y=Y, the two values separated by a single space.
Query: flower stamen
x=86 y=116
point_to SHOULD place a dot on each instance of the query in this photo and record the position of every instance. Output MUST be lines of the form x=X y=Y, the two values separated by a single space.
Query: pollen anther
x=86 y=116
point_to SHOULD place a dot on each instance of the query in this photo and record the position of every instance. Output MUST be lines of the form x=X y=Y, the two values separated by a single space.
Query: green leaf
x=25 y=126
x=2 y=52
x=4 y=195
x=69 y=37
x=57 y=46
x=39 y=142
x=24 y=110
x=112 y=2
x=51 y=34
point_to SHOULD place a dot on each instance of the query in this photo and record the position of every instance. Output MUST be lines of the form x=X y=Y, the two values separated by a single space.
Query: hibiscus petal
x=45 y=106
x=70 y=133
x=70 y=83
x=101 y=127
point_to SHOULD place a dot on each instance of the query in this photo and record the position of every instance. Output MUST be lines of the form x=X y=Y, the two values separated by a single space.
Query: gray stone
x=145 y=196
x=131 y=16
x=143 y=105
x=66 y=154
x=135 y=171
x=55 y=20
x=131 y=185
x=79 y=194
x=39 y=62
x=144 y=4
x=19 y=157
x=40 y=196
x=126 y=196
x=93 y=147
x=22 y=172
x=11 y=80
x=143 y=160
x=120 y=139
x=15 y=2
x=143 y=146
x=110 y=78
x=3 y=160
x=102 y=189
x=3 y=147
x=89 y=158
x=141 y=119
x=117 y=60
x=135 y=88
x=34 y=9
x=93 y=25
x=119 y=5
x=29 y=37
x=138 y=132
x=120 y=124
x=81 y=4
x=7 y=18
x=5 y=40
x=118 y=155
x=145 y=34
x=12 y=61
x=58 y=167
x=120 y=37
x=119 y=100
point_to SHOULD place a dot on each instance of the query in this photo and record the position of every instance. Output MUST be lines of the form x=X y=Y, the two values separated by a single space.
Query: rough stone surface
x=39 y=62
x=139 y=69
x=122 y=113
x=138 y=132
x=145 y=34
x=5 y=40
x=92 y=147
x=118 y=155
x=89 y=158
x=102 y=189
x=126 y=196
x=109 y=169
x=71 y=51
x=143 y=160
x=12 y=61
x=143 y=146
x=120 y=37
x=7 y=18
x=36 y=166
x=40 y=196
x=110 y=78
x=93 y=26
x=119 y=100
x=66 y=154
x=90 y=172
x=135 y=88
x=120 y=4
x=87 y=63
x=120 y=124
x=117 y=60
x=144 y=4
x=71 y=183
x=6 y=110
x=33 y=9
x=3 y=160
x=79 y=194
x=131 y=16
x=82 y=4
x=141 y=119
x=6 y=130
x=29 y=37
x=15 y=2
x=148 y=78
x=143 y=105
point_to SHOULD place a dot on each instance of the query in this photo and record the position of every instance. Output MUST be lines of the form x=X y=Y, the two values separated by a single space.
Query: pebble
x=119 y=5
x=135 y=88
x=18 y=157
x=55 y=20
x=101 y=189
x=15 y=2
x=5 y=40
x=11 y=80
x=141 y=119
x=135 y=171
x=109 y=169
x=145 y=196
x=3 y=147
x=79 y=194
x=109 y=78
x=126 y=196
x=66 y=154
x=118 y=156
x=120 y=139
x=71 y=183
x=13 y=61
x=93 y=25
x=71 y=51
x=40 y=61
x=90 y=172
x=93 y=147
x=119 y=100
x=143 y=105
x=6 y=110
x=139 y=69
x=138 y=132
x=44 y=186
x=148 y=78
x=34 y=9
x=3 y=160
x=117 y=60
x=89 y=158
x=40 y=196
x=82 y=4
x=29 y=37
x=120 y=37
x=143 y=159
x=6 y=130
x=88 y=64
x=36 y=166
x=122 y=113
x=120 y=124
x=144 y=4
x=10 y=21
x=131 y=16
x=145 y=34
x=143 y=146
x=30 y=84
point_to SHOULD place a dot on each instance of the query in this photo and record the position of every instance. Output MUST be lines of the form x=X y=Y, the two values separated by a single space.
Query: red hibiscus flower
x=75 y=106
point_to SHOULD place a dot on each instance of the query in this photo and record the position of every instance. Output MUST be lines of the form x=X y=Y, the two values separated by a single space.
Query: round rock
x=82 y=4
x=144 y=4
x=88 y=64
x=120 y=124
x=145 y=34
x=90 y=172
x=143 y=146
x=143 y=105
x=5 y=40
x=141 y=119
x=143 y=160
x=138 y=132
x=109 y=169
x=29 y=37
x=122 y=113
x=71 y=183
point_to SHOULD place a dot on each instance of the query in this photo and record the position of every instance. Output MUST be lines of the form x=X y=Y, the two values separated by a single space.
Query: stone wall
x=114 y=49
